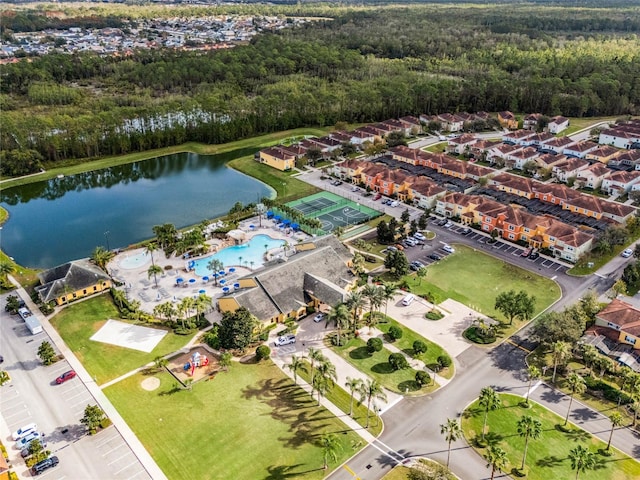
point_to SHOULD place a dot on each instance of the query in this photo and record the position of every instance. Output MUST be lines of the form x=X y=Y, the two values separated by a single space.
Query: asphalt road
x=33 y=396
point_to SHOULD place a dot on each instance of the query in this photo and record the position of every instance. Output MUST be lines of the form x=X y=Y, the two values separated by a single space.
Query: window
x=487 y=219
x=74 y=295
x=524 y=237
x=613 y=325
x=511 y=236
x=64 y=299
x=95 y=288
x=511 y=227
x=552 y=239
x=84 y=292
x=629 y=339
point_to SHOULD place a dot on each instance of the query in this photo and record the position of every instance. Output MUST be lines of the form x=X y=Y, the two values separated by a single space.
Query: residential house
x=360 y=136
x=579 y=149
x=623 y=319
x=514 y=184
x=277 y=158
x=518 y=137
x=329 y=143
x=507 y=120
x=399 y=126
x=425 y=192
x=315 y=277
x=342 y=137
x=413 y=123
x=480 y=148
x=450 y=122
x=602 y=154
x=412 y=156
x=558 y=124
x=500 y=152
x=569 y=168
x=537 y=140
x=462 y=144
x=69 y=282
x=592 y=176
x=372 y=133
x=350 y=170
x=547 y=161
x=530 y=121
x=556 y=145
x=626 y=158
x=519 y=158
x=624 y=135
x=620 y=182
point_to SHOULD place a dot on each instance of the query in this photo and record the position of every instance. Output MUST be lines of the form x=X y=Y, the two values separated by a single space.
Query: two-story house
x=558 y=124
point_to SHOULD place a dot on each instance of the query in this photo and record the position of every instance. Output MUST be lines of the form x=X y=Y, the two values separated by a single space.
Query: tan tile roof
x=622 y=314
x=559 y=142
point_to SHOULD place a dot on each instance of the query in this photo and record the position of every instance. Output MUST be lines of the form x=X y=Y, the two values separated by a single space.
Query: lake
x=62 y=219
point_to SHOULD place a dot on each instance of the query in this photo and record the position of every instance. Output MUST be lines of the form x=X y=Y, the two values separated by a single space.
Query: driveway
x=446 y=332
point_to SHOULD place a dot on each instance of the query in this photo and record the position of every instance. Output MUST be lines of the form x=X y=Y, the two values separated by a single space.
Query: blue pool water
x=134 y=261
x=252 y=251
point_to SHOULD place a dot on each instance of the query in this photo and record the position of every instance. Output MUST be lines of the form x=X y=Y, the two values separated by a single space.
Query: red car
x=65 y=376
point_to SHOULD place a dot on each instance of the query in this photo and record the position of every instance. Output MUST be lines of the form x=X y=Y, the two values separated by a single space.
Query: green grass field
x=250 y=422
x=547 y=456
x=79 y=321
x=406 y=345
x=377 y=366
x=450 y=278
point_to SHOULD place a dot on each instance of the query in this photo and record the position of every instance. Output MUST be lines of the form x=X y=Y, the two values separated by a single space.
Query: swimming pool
x=252 y=251
x=134 y=261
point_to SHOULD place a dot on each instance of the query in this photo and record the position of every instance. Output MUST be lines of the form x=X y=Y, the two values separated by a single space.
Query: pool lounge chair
x=144 y=296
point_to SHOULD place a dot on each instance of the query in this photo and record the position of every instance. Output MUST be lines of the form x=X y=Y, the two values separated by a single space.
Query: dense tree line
x=11 y=21
x=362 y=65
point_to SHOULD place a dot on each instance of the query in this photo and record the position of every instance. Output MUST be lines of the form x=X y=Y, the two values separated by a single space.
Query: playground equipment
x=197 y=360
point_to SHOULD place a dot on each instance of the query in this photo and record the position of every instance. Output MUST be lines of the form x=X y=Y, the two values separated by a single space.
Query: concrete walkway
x=103 y=402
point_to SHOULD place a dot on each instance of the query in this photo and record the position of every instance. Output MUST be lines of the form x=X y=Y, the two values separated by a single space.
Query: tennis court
x=333 y=211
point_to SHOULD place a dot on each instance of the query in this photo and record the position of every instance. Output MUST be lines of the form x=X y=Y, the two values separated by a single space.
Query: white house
x=618 y=138
x=558 y=124
x=621 y=181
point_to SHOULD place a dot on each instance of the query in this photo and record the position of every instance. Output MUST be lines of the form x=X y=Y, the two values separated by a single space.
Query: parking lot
x=33 y=396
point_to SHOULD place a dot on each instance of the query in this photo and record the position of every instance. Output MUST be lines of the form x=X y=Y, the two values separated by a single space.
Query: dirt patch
x=150 y=384
x=209 y=365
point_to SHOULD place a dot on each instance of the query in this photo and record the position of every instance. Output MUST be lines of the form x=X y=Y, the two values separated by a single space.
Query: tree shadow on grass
x=409 y=386
x=472 y=412
x=493 y=438
x=281 y=472
x=175 y=389
x=359 y=353
x=549 y=461
x=385 y=368
x=577 y=435
x=409 y=352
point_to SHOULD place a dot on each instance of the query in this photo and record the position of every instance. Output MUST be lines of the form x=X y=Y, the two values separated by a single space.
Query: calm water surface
x=62 y=219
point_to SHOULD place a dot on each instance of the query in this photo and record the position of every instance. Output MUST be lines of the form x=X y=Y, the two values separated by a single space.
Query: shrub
x=46 y=309
x=422 y=378
x=444 y=361
x=182 y=331
x=374 y=345
x=434 y=314
x=398 y=362
x=211 y=339
x=262 y=352
x=395 y=332
x=609 y=392
x=419 y=347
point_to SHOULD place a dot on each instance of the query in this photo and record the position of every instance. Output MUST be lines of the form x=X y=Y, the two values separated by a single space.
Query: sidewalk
x=103 y=402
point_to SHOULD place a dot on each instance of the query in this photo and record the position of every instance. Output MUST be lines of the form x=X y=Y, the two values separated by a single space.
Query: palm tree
x=388 y=292
x=528 y=427
x=355 y=303
x=577 y=385
x=100 y=256
x=581 y=459
x=314 y=355
x=371 y=390
x=325 y=377
x=252 y=263
x=616 y=421
x=150 y=248
x=6 y=268
x=240 y=260
x=421 y=273
x=203 y=303
x=370 y=292
x=589 y=354
x=339 y=315
x=452 y=432
x=354 y=385
x=489 y=400
x=153 y=271
x=497 y=459
x=215 y=265
x=636 y=408
x=320 y=385
x=296 y=364
x=561 y=351
x=331 y=446
x=534 y=373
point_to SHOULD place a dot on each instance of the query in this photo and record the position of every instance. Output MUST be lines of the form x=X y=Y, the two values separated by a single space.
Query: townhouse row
x=625 y=135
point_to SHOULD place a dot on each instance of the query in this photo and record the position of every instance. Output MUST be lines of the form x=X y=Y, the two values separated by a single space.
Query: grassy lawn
x=406 y=345
x=342 y=399
x=547 y=456
x=582 y=267
x=577 y=124
x=376 y=365
x=449 y=278
x=436 y=147
x=250 y=422
x=79 y=321
x=398 y=473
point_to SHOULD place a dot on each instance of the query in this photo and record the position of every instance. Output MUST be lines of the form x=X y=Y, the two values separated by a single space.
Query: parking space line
x=120 y=457
x=559 y=267
x=104 y=442
x=122 y=444
x=137 y=474
x=83 y=392
x=124 y=468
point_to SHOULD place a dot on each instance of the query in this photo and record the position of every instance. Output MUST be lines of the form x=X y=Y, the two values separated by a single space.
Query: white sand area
x=126 y=335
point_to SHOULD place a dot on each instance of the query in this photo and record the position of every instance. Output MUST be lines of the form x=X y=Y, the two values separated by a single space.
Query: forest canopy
x=353 y=64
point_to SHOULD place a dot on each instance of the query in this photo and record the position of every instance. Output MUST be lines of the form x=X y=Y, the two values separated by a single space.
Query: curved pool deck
x=134 y=260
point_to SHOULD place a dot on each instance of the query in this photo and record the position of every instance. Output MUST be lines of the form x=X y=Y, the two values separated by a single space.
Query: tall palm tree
x=338 y=315
x=497 y=459
x=370 y=292
x=489 y=400
x=315 y=356
x=6 y=268
x=388 y=292
x=296 y=364
x=581 y=459
x=616 y=420
x=100 y=256
x=589 y=354
x=577 y=385
x=215 y=265
x=153 y=271
x=203 y=303
x=354 y=385
x=252 y=263
x=355 y=303
x=533 y=373
x=150 y=248
x=561 y=351
x=331 y=446
x=528 y=427
x=452 y=432
x=325 y=377
x=371 y=390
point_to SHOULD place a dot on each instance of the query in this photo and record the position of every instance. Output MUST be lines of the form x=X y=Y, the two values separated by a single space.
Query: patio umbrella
x=202 y=292
x=179 y=280
x=251 y=227
x=225 y=289
x=232 y=269
x=277 y=218
x=192 y=280
x=236 y=286
x=205 y=279
x=222 y=282
x=221 y=273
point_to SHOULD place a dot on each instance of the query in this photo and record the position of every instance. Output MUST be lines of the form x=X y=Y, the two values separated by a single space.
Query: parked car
x=526 y=252
x=319 y=317
x=395 y=203
x=534 y=255
x=285 y=340
x=441 y=222
x=391 y=248
x=419 y=264
x=419 y=236
x=448 y=248
x=410 y=242
x=26 y=440
x=354 y=189
x=435 y=256
x=66 y=376
x=40 y=467
x=377 y=197
x=465 y=230
x=626 y=253
x=24 y=431
x=448 y=224
x=24 y=313
x=399 y=247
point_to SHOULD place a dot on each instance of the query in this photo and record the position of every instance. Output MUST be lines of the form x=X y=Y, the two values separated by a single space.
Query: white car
x=627 y=253
x=24 y=431
x=395 y=203
x=448 y=225
x=318 y=318
x=285 y=340
x=419 y=236
x=448 y=248
x=354 y=189
x=26 y=440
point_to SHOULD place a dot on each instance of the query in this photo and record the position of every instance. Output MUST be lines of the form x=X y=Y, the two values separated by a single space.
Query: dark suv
x=40 y=467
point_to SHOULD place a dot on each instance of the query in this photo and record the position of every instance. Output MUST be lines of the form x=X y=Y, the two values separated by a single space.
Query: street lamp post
x=284 y=184
x=106 y=236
